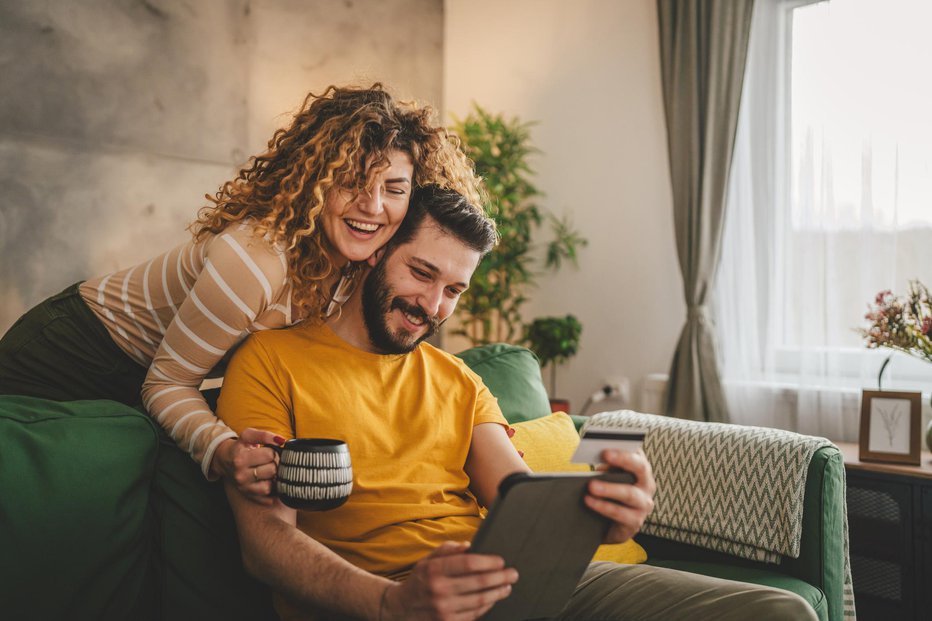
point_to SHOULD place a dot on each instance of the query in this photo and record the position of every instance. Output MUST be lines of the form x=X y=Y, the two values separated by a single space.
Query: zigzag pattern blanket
x=753 y=506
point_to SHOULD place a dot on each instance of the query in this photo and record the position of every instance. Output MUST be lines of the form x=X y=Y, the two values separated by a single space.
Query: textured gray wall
x=117 y=116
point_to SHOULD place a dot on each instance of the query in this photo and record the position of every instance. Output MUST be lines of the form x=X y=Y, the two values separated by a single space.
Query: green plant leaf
x=501 y=149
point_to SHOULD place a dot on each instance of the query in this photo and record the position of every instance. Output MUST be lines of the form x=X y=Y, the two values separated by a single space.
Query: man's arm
x=491 y=458
x=447 y=584
x=297 y=566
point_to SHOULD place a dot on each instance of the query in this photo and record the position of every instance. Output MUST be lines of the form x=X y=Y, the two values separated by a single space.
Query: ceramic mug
x=314 y=474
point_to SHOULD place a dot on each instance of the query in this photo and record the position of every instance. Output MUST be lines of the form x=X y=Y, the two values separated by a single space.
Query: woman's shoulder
x=245 y=241
x=251 y=236
x=241 y=253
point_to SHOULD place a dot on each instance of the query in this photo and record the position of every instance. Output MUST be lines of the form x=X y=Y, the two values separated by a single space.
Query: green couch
x=817 y=575
x=102 y=517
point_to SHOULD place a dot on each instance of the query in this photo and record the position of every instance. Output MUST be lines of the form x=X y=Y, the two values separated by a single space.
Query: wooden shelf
x=850 y=452
x=890 y=536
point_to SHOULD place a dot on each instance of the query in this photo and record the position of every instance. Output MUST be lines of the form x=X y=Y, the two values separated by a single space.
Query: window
x=830 y=201
x=860 y=158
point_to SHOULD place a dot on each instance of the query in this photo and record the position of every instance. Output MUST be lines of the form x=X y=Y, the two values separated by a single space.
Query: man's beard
x=377 y=305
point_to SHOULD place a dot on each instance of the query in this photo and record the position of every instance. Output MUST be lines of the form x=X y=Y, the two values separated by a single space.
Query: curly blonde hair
x=339 y=139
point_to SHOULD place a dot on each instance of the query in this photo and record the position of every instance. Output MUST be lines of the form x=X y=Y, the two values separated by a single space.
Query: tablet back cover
x=541 y=527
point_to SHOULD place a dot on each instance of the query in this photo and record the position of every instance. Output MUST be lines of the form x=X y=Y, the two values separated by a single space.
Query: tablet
x=540 y=525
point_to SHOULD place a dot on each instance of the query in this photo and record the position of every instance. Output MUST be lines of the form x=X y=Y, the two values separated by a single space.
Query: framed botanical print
x=890 y=423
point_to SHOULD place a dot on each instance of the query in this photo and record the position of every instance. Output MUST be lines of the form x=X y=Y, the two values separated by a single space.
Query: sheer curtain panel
x=829 y=202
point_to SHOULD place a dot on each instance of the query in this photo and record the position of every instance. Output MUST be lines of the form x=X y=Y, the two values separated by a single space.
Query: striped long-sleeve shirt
x=181 y=312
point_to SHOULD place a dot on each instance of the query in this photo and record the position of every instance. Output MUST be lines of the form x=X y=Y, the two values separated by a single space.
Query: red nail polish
x=279 y=440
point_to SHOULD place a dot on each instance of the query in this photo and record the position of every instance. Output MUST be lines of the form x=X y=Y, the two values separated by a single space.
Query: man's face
x=414 y=289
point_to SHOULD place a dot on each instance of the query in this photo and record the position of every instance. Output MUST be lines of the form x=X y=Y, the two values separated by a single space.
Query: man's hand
x=247 y=464
x=449 y=584
x=627 y=505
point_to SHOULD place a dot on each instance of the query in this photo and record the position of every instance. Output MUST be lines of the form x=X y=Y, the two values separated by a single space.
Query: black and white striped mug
x=314 y=474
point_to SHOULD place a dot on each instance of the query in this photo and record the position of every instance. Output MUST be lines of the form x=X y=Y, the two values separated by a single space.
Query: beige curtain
x=703 y=46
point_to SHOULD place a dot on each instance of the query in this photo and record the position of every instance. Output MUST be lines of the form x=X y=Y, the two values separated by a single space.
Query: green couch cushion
x=512 y=374
x=811 y=594
x=75 y=529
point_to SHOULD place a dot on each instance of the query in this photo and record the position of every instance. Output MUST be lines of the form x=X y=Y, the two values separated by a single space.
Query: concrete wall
x=588 y=72
x=117 y=116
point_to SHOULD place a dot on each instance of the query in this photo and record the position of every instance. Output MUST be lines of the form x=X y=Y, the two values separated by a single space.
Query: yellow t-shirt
x=407 y=420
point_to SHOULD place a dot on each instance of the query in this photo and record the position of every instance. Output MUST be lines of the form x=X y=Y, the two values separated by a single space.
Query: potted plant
x=490 y=310
x=555 y=340
x=902 y=323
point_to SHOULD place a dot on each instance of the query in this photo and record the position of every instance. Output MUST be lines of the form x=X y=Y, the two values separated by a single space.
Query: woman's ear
x=376 y=256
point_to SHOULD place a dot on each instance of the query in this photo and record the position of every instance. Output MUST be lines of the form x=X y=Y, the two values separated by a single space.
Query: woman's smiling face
x=359 y=224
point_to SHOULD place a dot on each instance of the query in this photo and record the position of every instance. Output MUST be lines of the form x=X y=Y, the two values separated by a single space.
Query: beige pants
x=610 y=592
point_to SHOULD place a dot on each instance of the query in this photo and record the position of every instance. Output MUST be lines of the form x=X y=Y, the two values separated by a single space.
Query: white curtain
x=830 y=202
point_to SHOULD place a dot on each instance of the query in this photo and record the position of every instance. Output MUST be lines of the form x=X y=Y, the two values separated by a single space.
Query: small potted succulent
x=555 y=340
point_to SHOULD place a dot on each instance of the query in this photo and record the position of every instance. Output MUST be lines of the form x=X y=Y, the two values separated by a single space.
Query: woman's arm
x=240 y=278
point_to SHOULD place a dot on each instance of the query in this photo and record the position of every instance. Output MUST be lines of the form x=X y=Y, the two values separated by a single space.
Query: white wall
x=588 y=72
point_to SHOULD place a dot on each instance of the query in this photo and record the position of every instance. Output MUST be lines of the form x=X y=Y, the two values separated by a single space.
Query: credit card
x=597 y=439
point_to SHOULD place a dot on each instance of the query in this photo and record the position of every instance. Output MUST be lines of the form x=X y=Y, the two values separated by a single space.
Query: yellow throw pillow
x=548 y=443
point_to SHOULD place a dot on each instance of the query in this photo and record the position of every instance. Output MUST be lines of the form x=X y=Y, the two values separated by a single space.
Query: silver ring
x=255 y=475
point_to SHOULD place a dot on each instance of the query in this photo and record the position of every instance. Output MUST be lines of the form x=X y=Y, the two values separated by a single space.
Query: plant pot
x=560 y=405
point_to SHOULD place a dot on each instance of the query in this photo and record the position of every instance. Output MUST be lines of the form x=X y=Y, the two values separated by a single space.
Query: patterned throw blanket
x=753 y=506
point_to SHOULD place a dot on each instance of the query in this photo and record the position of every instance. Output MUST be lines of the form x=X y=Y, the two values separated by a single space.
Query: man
x=429 y=445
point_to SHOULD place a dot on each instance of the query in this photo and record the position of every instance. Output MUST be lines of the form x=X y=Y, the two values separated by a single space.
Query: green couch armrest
x=200 y=566
x=821 y=559
x=75 y=528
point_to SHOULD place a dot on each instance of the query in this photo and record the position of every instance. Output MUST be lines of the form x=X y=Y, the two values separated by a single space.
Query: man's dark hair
x=452 y=213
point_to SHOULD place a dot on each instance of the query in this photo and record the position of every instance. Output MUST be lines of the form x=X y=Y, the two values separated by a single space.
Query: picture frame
x=890 y=427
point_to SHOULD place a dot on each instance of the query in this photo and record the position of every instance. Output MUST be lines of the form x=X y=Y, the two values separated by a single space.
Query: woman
x=279 y=245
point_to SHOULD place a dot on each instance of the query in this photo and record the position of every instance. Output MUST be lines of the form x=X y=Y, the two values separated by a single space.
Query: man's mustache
x=431 y=322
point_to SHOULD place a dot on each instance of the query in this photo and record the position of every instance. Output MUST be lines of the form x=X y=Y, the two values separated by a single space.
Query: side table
x=890 y=536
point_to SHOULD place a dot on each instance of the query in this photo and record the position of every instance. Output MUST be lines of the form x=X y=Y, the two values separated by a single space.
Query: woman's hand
x=249 y=465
